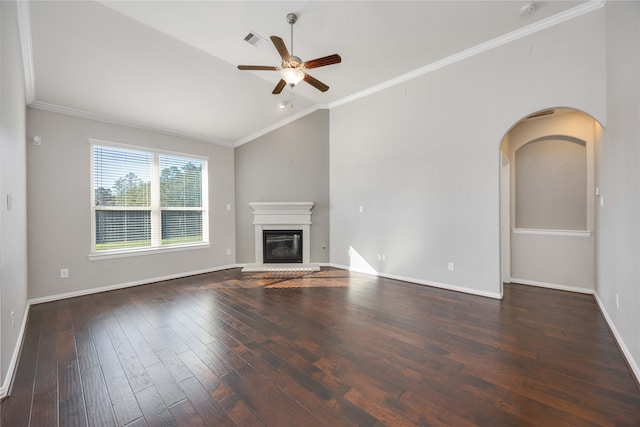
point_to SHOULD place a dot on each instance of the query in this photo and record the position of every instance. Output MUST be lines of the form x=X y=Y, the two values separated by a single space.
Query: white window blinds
x=181 y=199
x=146 y=200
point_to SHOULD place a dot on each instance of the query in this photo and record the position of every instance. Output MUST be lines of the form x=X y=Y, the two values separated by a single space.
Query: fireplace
x=282 y=237
x=282 y=246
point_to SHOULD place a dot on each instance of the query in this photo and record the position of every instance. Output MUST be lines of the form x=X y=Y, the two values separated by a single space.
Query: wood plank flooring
x=330 y=348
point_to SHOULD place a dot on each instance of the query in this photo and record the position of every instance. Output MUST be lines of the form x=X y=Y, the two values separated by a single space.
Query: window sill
x=98 y=256
x=549 y=232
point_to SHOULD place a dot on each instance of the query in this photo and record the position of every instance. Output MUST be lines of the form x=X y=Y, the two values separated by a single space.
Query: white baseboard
x=83 y=292
x=446 y=286
x=621 y=344
x=334 y=265
x=625 y=351
x=8 y=380
x=6 y=386
x=552 y=286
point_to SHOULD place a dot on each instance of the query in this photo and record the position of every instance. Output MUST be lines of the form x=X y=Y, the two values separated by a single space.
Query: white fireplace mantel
x=282 y=216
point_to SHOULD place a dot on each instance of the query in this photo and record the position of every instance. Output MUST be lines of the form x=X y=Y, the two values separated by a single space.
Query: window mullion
x=145 y=199
x=156 y=215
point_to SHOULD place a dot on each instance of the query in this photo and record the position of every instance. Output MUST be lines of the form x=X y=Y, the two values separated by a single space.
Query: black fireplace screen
x=282 y=246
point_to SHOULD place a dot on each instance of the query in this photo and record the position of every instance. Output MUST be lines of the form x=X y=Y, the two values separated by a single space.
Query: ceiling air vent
x=255 y=40
x=542 y=113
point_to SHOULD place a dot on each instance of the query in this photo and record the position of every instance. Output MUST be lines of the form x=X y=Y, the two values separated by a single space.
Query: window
x=144 y=200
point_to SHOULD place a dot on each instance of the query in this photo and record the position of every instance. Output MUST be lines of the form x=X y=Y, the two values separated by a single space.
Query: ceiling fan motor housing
x=293 y=62
x=293 y=69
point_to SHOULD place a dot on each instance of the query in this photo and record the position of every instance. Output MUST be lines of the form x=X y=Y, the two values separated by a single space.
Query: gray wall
x=555 y=257
x=422 y=158
x=551 y=184
x=290 y=164
x=59 y=188
x=618 y=221
x=13 y=182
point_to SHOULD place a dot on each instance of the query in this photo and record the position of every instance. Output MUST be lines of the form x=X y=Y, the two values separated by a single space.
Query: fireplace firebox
x=282 y=246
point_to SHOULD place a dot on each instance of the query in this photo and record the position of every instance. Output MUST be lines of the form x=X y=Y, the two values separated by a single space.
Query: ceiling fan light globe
x=291 y=75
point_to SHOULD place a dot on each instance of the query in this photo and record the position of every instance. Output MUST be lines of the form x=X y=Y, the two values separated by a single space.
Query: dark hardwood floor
x=330 y=348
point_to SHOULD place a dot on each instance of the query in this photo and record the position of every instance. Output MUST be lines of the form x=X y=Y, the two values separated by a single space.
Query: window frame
x=155 y=209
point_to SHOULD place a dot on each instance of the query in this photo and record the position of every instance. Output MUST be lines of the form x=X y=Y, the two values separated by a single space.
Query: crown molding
x=39 y=105
x=24 y=25
x=25 y=31
x=289 y=119
x=549 y=22
x=543 y=24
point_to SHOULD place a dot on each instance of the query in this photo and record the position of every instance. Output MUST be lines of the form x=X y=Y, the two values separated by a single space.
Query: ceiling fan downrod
x=293 y=69
x=291 y=19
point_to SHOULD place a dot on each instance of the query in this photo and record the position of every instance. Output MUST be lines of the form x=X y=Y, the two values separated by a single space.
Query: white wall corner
x=24 y=24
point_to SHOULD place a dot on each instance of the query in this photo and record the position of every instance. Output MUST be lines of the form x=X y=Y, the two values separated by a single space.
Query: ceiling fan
x=293 y=68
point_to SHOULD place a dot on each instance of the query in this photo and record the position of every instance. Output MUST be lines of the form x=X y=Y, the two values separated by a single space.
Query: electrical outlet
x=451 y=266
x=361 y=209
x=384 y=257
x=64 y=273
x=228 y=251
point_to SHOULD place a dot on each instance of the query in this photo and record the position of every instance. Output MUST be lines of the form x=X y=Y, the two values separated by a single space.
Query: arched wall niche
x=551 y=184
x=561 y=127
x=539 y=251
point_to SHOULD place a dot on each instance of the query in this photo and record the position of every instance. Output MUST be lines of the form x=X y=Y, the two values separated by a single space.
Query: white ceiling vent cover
x=255 y=40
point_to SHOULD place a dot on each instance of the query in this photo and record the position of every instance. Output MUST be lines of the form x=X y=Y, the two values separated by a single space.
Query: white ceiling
x=171 y=65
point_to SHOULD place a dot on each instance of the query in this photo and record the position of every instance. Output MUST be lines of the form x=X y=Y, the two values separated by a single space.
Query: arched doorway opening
x=548 y=199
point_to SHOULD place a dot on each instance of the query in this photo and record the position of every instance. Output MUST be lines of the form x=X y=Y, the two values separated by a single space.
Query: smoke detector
x=527 y=9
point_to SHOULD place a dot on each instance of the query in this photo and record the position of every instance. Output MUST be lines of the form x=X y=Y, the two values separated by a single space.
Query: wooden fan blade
x=281 y=84
x=321 y=62
x=281 y=48
x=258 y=67
x=315 y=83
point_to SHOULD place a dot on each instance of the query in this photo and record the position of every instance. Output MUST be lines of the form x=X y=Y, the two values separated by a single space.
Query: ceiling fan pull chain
x=291 y=100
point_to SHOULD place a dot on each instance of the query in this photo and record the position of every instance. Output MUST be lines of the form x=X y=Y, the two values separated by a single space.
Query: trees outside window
x=145 y=199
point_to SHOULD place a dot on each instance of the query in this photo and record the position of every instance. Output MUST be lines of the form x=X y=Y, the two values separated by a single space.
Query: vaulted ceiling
x=171 y=65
